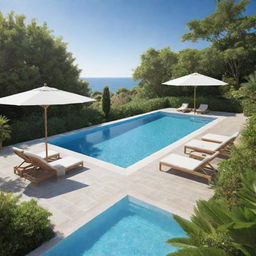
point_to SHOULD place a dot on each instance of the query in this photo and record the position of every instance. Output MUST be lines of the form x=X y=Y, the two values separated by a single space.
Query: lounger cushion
x=205 y=145
x=215 y=137
x=179 y=161
x=51 y=153
x=65 y=162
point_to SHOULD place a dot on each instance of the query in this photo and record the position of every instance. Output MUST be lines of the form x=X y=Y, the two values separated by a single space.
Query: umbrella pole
x=46 y=132
x=194 y=99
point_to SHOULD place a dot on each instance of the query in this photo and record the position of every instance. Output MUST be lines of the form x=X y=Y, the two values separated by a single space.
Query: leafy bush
x=138 y=107
x=215 y=104
x=23 y=226
x=5 y=129
x=243 y=160
x=31 y=127
x=214 y=225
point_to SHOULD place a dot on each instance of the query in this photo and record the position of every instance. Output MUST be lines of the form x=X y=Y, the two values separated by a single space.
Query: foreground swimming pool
x=127 y=142
x=128 y=228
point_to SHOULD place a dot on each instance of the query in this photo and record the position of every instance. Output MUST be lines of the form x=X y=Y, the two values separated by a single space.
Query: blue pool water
x=128 y=228
x=126 y=142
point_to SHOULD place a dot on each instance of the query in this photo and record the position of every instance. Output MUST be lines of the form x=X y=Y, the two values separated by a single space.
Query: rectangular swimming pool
x=128 y=228
x=127 y=142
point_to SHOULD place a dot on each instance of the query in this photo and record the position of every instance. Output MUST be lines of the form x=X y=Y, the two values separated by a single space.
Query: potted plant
x=5 y=130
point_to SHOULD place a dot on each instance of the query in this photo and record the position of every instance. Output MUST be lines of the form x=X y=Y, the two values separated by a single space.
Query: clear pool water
x=128 y=228
x=126 y=142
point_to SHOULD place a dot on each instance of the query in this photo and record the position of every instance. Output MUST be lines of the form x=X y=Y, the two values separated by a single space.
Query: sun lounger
x=184 y=108
x=43 y=170
x=202 y=109
x=189 y=165
x=211 y=147
x=26 y=164
x=218 y=138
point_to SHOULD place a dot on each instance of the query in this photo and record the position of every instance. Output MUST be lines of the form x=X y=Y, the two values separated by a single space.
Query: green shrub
x=242 y=161
x=23 y=226
x=215 y=104
x=215 y=226
x=5 y=130
x=32 y=127
x=138 y=107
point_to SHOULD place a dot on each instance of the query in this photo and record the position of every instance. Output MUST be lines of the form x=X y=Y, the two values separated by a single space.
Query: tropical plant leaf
x=182 y=242
x=199 y=252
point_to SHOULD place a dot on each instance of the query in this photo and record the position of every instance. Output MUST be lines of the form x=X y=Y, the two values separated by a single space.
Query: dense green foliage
x=31 y=56
x=243 y=160
x=23 y=226
x=155 y=68
x=231 y=33
x=247 y=94
x=5 y=130
x=106 y=104
x=23 y=130
x=214 y=225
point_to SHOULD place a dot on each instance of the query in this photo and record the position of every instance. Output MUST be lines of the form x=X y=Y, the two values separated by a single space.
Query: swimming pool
x=127 y=142
x=128 y=228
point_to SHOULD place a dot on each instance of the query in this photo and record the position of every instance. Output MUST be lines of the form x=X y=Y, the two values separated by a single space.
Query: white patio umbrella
x=44 y=97
x=195 y=80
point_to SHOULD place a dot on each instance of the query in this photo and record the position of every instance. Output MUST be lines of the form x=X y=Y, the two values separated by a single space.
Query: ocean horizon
x=114 y=83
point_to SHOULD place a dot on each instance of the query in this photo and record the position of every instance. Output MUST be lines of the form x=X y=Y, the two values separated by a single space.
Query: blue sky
x=107 y=37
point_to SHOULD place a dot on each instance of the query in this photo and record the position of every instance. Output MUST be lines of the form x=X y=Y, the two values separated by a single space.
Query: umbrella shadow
x=55 y=186
x=9 y=185
x=188 y=176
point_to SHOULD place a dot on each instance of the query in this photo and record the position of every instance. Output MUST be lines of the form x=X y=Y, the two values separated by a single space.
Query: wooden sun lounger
x=43 y=170
x=189 y=165
x=184 y=108
x=26 y=164
x=211 y=147
x=203 y=108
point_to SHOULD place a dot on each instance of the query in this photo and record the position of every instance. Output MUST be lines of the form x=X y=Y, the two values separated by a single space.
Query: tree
x=106 y=104
x=247 y=94
x=230 y=32
x=31 y=56
x=155 y=68
x=5 y=129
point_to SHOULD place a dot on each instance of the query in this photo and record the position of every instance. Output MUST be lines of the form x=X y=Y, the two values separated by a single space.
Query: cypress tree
x=106 y=101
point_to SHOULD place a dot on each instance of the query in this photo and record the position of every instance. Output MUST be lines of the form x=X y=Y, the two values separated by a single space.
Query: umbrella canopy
x=195 y=80
x=44 y=96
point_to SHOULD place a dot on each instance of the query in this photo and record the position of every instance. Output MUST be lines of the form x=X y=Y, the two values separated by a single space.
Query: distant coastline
x=114 y=83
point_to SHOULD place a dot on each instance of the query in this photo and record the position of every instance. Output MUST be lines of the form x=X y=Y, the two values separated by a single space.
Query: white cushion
x=215 y=137
x=204 y=145
x=181 y=162
x=65 y=162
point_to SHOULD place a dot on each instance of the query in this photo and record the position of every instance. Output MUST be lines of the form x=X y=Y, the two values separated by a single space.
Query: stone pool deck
x=84 y=193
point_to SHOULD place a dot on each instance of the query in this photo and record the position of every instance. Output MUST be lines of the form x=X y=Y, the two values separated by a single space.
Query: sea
x=114 y=83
